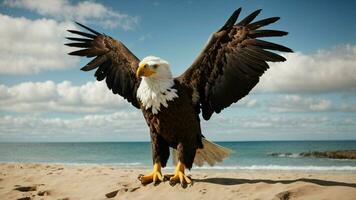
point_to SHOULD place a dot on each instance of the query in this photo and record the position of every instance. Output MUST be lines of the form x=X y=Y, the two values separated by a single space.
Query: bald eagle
x=225 y=71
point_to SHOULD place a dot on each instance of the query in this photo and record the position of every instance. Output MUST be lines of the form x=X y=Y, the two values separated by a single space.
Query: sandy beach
x=67 y=182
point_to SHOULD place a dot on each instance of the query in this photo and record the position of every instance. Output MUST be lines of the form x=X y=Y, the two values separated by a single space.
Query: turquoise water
x=247 y=155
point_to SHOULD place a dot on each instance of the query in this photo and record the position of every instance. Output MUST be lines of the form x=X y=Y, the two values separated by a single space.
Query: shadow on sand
x=236 y=181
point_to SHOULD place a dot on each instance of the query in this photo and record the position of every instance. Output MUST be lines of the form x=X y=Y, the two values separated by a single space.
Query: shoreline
x=59 y=181
x=218 y=168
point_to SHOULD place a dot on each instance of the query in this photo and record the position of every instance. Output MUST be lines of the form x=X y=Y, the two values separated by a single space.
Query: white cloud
x=131 y=125
x=247 y=102
x=348 y=107
x=330 y=70
x=256 y=126
x=40 y=97
x=29 y=127
x=31 y=46
x=322 y=105
x=144 y=37
x=83 y=11
x=285 y=122
x=349 y=122
x=304 y=103
x=297 y=103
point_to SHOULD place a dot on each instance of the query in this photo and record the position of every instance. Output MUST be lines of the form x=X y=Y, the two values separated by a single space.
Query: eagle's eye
x=155 y=66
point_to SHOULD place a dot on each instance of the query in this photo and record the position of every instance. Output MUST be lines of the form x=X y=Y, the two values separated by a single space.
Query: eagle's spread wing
x=232 y=61
x=114 y=62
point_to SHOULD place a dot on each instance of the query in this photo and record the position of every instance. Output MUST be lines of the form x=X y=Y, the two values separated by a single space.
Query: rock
x=112 y=194
x=24 y=198
x=124 y=190
x=341 y=154
x=26 y=188
x=134 y=189
x=43 y=193
x=288 y=154
x=273 y=154
x=283 y=196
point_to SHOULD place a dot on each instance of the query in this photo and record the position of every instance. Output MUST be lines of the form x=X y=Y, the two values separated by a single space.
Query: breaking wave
x=285 y=155
x=281 y=167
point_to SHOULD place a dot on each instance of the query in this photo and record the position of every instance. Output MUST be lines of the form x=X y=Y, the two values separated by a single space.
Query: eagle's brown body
x=226 y=70
x=169 y=129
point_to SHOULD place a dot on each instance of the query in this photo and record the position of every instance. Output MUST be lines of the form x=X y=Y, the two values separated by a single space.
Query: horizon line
x=148 y=141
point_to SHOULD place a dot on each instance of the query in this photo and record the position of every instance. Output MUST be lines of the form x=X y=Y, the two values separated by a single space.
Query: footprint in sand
x=25 y=188
x=112 y=194
x=43 y=193
x=123 y=190
x=283 y=196
x=24 y=198
x=203 y=191
x=134 y=189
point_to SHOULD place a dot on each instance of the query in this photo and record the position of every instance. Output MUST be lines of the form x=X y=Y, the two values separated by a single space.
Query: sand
x=68 y=182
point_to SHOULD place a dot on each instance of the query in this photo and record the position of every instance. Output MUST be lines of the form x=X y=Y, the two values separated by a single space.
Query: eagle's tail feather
x=211 y=154
x=175 y=157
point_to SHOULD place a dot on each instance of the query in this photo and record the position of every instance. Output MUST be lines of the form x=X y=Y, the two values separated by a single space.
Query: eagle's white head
x=153 y=67
x=156 y=87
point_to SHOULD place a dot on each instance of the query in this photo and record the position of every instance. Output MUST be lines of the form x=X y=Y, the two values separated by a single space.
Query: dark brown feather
x=260 y=66
x=89 y=29
x=79 y=39
x=84 y=52
x=266 y=45
x=266 y=33
x=267 y=55
x=82 y=34
x=249 y=18
x=79 y=44
x=94 y=63
x=261 y=23
x=102 y=71
x=231 y=21
x=240 y=64
x=257 y=63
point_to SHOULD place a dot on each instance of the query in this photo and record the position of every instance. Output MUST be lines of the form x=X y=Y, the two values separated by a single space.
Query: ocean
x=254 y=155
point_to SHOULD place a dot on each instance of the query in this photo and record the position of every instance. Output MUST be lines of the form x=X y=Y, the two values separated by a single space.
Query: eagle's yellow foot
x=155 y=176
x=179 y=176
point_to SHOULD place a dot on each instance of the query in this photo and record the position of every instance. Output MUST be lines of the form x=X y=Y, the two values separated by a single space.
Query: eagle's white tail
x=211 y=154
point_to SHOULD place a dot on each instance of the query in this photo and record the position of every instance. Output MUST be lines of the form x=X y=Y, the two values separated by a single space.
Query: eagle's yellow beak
x=143 y=70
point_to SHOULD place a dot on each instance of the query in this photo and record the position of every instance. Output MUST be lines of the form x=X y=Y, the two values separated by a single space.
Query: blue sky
x=45 y=97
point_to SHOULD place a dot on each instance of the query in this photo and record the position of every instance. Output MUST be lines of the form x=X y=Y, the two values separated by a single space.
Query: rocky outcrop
x=341 y=154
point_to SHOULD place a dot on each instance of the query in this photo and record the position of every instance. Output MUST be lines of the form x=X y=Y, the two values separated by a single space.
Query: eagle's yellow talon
x=188 y=180
x=155 y=176
x=179 y=176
